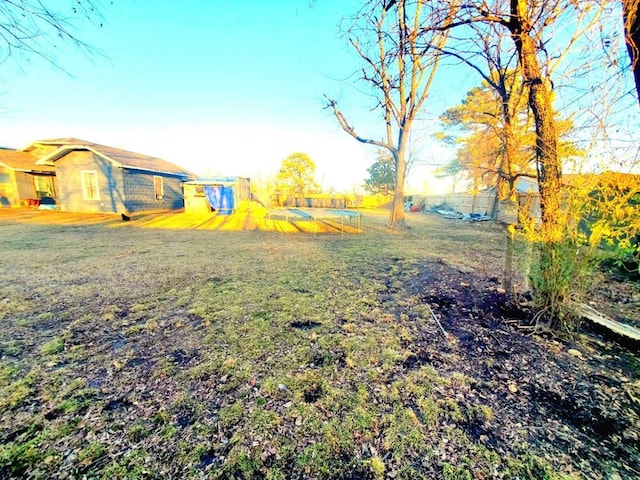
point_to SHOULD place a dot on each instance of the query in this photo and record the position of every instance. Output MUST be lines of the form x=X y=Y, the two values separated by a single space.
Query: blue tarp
x=220 y=198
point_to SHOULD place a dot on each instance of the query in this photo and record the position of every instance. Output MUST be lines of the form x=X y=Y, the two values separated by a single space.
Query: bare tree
x=401 y=58
x=36 y=27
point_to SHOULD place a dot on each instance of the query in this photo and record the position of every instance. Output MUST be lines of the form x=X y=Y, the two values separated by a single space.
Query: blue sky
x=216 y=86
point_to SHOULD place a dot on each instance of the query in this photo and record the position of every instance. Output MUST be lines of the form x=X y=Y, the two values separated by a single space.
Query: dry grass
x=158 y=348
x=249 y=216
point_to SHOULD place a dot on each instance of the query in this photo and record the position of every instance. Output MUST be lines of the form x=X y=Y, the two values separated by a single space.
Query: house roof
x=22 y=162
x=119 y=157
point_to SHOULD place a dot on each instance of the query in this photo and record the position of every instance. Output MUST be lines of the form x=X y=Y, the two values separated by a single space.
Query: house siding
x=8 y=192
x=26 y=188
x=111 y=192
x=140 y=192
x=19 y=187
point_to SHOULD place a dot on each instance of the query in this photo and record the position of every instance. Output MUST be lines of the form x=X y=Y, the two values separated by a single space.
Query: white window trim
x=83 y=175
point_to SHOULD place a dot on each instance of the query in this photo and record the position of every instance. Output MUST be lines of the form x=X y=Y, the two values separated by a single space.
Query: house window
x=44 y=186
x=89 y=184
x=4 y=178
x=158 y=187
x=199 y=191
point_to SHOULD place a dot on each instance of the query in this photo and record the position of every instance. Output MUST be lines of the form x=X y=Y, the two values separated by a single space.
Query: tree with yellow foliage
x=296 y=176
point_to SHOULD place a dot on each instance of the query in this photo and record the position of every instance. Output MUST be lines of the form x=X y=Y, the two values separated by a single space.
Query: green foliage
x=131 y=466
x=559 y=276
x=53 y=346
x=8 y=373
x=263 y=420
x=91 y=452
x=377 y=467
x=18 y=458
x=530 y=466
x=454 y=472
x=168 y=432
x=430 y=411
x=382 y=174
x=450 y=169
x=488 y=127
x=231 y=415
x=403 y=434
x=15 y=393
x=610 y=217
x=600 y=213
x=297 y=176
x=138 y=431
x=12 y=348
x=247 y=466
x=317 y=459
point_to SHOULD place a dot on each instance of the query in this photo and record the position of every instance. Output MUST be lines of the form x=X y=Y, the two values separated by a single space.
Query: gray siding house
x=95 y=178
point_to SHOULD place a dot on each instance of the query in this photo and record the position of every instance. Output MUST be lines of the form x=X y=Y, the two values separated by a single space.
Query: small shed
x=221 y=195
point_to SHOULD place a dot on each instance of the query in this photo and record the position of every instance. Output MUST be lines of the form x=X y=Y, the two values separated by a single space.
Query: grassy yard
x=132 y=351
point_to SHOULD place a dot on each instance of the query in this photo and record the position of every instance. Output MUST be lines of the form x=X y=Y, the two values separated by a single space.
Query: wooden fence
x=483 y=203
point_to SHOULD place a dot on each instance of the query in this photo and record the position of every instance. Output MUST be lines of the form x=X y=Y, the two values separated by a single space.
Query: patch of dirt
x=305 y=324
x=570 y=394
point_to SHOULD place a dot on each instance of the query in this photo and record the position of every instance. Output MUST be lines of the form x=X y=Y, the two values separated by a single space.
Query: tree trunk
x=507 y=274
x=505 y=181
x=549 y=169
x=505 y=189
x=549 y=287
x=495 y=206
x=396 y=218
x=631 y=18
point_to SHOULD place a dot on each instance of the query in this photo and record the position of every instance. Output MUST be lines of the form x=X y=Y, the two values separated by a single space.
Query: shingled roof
x=120 y=158
x=22 y=162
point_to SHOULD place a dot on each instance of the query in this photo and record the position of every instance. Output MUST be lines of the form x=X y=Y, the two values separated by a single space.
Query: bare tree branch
x=32 y=28
x=348 y=128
